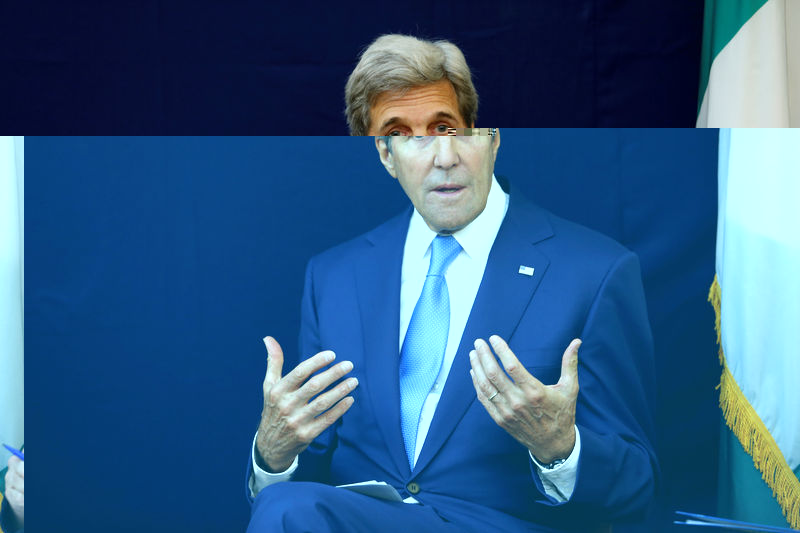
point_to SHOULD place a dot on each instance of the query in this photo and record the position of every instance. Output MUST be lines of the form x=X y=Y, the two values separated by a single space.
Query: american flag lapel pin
x=528 y=271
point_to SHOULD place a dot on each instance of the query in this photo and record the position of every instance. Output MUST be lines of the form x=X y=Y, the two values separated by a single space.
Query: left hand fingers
x=488 y=404
x=489 y=368
x=569 y=368
x=511 y=364
x=482 y=384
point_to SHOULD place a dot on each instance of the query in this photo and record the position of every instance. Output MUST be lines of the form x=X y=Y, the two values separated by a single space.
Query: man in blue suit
x=534 y=439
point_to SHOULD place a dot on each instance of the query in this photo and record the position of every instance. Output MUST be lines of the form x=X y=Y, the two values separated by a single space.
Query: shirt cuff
x=559 y=482
x=260 y=478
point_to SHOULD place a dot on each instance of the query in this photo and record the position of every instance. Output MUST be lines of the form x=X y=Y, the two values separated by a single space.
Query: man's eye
x=395 y=133
x=441 y=129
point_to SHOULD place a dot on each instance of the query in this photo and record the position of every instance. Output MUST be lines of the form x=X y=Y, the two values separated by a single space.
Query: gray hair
x=399 y=62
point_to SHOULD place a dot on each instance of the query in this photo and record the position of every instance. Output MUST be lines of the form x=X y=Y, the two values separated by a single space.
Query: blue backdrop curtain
x=254 y=67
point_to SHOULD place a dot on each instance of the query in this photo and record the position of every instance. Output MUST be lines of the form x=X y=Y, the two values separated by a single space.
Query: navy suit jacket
x=470 y=470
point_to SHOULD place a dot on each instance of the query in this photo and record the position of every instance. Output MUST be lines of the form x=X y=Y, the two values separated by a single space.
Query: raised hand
x=290 y=419
x=541 y=417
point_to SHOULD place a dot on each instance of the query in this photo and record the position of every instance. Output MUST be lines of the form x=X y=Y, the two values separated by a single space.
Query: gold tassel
x=714 y=296
x=748 y=427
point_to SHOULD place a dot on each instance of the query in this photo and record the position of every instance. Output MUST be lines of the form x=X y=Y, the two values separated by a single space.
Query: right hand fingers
x=298 y=376
x=323 y=380
x=332 y=415
x=296 y=385
x=301 y=372
x=324 y=401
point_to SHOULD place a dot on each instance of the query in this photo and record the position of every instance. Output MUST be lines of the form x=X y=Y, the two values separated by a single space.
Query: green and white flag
x=757 y=298
x=12 y=392
x=750 y=68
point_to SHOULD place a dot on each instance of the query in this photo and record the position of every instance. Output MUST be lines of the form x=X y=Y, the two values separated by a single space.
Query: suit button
x=413 y=488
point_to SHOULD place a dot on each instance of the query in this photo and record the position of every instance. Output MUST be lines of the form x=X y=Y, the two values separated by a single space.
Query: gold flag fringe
x=748 y=427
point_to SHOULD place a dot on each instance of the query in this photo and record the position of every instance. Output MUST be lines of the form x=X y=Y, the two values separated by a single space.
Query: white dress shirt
x=463 y=278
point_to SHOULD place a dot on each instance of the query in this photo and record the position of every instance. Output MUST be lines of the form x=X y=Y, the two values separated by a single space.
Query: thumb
x=274 y=360
x=569 y=365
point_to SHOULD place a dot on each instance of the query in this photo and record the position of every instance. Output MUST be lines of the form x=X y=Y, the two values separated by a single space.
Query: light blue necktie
x=426 y=340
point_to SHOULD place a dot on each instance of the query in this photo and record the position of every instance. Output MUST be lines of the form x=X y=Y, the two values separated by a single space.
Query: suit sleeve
x=617 y=468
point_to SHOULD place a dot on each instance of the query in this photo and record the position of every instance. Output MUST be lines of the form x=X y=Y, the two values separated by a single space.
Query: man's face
x=416 y=111
x=447 y=178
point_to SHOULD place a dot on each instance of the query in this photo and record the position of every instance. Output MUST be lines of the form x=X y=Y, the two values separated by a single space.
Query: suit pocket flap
x=542 y=363
x=547 y=374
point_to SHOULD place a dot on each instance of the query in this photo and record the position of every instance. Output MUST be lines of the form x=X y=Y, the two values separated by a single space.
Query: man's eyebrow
x=439 y=115
x=390 y=122
x=445 y=114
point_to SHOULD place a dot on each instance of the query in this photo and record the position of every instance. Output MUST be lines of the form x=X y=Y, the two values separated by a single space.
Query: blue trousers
x=303 y=507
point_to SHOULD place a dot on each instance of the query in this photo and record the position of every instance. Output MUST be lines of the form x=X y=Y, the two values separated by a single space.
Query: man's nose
x=445 y=152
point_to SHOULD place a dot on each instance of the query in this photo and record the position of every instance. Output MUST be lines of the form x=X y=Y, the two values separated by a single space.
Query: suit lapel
x=502 y=298
x=378 y=286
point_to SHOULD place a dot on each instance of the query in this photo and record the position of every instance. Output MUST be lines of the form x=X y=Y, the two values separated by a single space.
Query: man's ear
x=495 y=143
x=387 y=159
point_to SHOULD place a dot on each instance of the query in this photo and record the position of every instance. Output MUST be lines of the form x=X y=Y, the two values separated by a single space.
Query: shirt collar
x=476 y=238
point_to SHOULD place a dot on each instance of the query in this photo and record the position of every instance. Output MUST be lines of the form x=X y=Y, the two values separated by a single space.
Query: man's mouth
x=448 y=188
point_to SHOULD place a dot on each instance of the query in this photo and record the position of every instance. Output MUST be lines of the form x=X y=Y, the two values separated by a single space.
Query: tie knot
x=444 y=249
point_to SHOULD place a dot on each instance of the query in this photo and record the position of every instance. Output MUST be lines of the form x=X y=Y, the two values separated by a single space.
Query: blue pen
x=15 y=451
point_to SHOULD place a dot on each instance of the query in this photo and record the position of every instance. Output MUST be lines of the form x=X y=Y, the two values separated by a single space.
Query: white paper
x=376 y=489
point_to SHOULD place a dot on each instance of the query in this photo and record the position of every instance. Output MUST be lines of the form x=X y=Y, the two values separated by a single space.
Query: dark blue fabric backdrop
x=154 y=266
x=255 y=67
